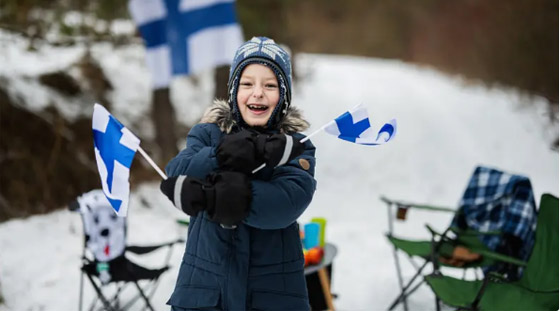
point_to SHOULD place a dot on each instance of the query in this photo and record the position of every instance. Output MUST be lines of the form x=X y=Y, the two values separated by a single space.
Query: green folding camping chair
x=441 y=244
x=496 y=217
x=536 y=290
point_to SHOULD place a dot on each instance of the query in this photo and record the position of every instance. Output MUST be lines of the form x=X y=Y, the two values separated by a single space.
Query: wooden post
x=163 y=116
x=221 y=76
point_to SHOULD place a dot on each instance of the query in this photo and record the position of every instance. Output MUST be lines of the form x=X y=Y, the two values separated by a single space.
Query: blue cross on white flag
x=354 y=126
x=115 y=147
x=186 y=36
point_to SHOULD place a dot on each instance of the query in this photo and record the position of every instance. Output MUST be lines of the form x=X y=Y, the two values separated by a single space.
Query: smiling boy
x=243 y=249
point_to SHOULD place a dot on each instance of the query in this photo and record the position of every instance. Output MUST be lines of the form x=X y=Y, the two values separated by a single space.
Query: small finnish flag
x=354 y=126
x=115 y=147
x=186 y=36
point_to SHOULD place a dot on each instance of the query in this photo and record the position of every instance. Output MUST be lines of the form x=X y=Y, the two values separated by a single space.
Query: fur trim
x=220 y=113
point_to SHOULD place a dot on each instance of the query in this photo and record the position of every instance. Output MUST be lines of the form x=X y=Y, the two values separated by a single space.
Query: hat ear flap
x=283 y=103
x=283 y=109
x=232 y=101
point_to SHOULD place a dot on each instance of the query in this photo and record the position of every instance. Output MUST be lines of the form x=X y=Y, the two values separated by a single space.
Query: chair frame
x=408 y=289
x=436 y=241
x=113 y=304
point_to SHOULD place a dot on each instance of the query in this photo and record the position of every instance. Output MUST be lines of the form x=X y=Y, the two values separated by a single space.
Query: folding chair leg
x=417 y=286
x=81 y=290
x=104 y=300
x=92 y=304
x=478 y=297
x=144 y=296
x=115 y=300
x=398 y=266
x=403 y=295
x=153 y=287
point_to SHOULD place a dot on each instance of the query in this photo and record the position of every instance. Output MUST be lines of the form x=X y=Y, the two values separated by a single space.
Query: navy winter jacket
x=258 y=265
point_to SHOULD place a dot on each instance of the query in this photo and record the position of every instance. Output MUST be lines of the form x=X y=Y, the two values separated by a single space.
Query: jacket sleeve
x=199 y=158
x=278 y=202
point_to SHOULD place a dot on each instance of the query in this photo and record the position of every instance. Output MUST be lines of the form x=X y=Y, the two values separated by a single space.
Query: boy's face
x=257 y=95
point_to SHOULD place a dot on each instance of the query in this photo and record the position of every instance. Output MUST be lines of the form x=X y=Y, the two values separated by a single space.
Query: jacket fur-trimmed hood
x=220 y=113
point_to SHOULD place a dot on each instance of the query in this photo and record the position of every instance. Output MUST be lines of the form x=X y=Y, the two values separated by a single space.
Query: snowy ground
x=445 y=128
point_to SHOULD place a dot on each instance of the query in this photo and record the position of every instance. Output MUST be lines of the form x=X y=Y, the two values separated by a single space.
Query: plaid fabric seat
x=498 y=201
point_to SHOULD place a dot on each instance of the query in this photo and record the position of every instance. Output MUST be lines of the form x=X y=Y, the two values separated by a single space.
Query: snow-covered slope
x=445 y=128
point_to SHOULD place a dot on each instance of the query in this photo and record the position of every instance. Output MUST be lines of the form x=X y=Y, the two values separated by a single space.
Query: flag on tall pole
x=186 y=36
x=115 y=147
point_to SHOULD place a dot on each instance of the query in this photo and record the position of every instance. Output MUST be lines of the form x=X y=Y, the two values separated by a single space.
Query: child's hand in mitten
x=278 y=149
x=236 y=152
x=232 y=197
x=190 y=195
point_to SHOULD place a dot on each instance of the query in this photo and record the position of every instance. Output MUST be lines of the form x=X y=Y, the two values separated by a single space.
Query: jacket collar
x=220 y=114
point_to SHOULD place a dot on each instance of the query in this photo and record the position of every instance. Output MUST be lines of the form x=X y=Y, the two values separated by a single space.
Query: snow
x=446 y=126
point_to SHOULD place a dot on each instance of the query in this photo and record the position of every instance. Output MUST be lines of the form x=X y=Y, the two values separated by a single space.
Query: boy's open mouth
x=257 y=107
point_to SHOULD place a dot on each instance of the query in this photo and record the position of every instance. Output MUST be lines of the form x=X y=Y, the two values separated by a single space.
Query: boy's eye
x=245 y=83
x=271 y=86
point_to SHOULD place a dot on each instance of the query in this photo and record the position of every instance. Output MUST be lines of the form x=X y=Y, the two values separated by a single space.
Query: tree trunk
x=163 y=116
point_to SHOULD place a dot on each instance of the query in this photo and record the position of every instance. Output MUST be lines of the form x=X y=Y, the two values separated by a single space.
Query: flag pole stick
x=322 y=128
x=306 y=138
x=152 y=163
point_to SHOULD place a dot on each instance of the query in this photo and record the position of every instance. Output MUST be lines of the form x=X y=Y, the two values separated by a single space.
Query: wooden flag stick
x=152 y=163
x=306 y=138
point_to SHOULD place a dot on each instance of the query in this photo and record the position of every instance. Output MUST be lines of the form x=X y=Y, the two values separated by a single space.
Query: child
x=243 y=250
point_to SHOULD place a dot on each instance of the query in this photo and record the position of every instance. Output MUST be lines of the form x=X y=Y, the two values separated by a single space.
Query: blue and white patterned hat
x=264 y=51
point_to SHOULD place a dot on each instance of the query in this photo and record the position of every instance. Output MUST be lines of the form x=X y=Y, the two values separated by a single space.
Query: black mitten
x=190 y=195
x=232 y=198
x=278 y=149
x=236 y=152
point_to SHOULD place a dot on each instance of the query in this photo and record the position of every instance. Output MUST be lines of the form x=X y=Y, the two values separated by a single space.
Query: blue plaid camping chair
x=502 y=202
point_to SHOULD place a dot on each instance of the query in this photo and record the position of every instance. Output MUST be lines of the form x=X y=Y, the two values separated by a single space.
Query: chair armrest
x=417 y=206
x=433 y=231
x=484 y=252
x=502 y=258
x=183 y=222
x=471 y=232
x=460 y=232
x=140 y=250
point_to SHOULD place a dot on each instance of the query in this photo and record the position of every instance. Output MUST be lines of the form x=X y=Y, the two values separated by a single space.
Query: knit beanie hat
x=264 y=51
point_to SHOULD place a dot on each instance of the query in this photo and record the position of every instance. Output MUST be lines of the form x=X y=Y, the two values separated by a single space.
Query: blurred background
x=510 y=43
x=59 y=57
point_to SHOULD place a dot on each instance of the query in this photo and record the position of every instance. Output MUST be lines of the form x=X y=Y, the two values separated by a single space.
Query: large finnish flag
x=115 y=147
x=354 y=126
x=186 y=36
